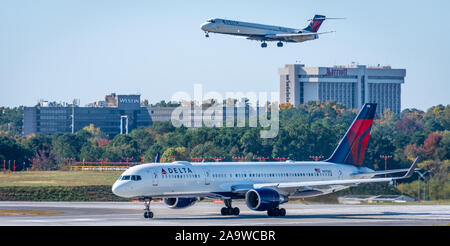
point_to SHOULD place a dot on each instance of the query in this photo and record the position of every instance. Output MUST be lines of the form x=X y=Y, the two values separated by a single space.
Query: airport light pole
x=385 y=157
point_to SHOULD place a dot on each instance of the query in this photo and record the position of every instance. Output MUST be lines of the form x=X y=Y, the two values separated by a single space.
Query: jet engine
x=180 y=202
x=264 y=199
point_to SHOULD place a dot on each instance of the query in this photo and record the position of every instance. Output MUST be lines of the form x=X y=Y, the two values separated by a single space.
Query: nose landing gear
x=206 y=34
x=147 y=213
x=264 y=44
x=229 y=210
x=280 y=44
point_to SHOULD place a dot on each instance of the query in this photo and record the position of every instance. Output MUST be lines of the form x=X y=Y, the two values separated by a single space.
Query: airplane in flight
x=265 y=33
x=263 y=185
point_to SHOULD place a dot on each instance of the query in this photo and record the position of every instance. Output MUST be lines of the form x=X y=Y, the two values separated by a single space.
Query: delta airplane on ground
x=264 y=186
x=265 y=33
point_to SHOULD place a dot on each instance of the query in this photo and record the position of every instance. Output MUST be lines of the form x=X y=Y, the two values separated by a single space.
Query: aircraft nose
x=119 y=189
x=204 y=26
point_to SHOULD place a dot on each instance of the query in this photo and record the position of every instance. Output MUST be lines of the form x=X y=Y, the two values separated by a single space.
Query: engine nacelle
x=263 y=199
x=179 y=202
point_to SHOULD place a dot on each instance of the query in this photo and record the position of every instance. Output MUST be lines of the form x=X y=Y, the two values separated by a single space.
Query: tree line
x=314 y=128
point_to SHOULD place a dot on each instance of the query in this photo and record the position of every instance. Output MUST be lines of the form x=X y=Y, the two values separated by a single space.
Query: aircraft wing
x=294 y=37
x=372 y=174
x=290 y=186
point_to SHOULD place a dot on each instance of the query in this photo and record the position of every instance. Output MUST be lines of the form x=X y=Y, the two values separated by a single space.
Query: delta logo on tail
x=315 y=24
x=352 y=148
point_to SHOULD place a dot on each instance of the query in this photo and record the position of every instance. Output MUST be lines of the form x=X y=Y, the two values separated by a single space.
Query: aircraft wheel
x=264 y=45
x=236 y=211
x=276 y=212
x=148 y=214
x=223 y=211
x=279 y=44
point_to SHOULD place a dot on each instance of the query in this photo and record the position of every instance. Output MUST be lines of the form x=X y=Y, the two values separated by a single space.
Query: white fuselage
x=196 y=179
x=243 y=28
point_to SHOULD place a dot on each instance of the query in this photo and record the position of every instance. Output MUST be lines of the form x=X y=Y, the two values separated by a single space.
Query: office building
x=117 y=114
x=351 y=85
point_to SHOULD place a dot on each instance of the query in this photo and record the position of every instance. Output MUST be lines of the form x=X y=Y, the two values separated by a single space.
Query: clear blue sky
x=60 y=50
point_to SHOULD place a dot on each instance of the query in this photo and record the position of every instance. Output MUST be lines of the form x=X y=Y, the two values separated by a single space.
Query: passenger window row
x=180 y=176
x=268 y=175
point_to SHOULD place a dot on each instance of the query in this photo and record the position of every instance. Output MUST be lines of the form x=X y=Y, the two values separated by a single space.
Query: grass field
x=57 y=178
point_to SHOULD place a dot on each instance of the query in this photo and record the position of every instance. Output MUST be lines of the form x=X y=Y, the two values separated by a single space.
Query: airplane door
x=340 y=173
x=207 y=176
x=155 y=177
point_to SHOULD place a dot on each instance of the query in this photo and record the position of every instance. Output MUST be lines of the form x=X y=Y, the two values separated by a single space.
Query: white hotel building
x=351 y=85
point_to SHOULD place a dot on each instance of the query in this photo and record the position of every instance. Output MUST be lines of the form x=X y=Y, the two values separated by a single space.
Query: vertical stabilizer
x=352 y=148
x=315 y=23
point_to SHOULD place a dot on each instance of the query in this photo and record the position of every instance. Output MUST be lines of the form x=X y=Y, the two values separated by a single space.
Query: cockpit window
x=211 y=21
x=131 y=177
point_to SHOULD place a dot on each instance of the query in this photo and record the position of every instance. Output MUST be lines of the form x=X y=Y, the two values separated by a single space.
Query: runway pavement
x=208 y=214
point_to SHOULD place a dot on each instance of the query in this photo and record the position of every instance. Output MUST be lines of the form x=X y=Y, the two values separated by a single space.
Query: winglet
x=410 y=170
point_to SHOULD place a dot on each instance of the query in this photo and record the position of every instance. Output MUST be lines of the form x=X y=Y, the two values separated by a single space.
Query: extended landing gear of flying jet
x=206 y=35
x=147 y=214
x=280 y=44
x=276 y=212
x=263 y=45
x=229 y=210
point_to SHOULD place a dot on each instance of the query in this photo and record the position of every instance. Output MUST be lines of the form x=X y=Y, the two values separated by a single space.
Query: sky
x=85 y=49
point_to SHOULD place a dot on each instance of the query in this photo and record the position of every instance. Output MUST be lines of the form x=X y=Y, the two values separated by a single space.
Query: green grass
x=57 y=178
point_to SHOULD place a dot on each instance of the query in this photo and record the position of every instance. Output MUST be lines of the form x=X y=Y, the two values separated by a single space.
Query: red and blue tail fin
x=315 y=23
x=352 y=148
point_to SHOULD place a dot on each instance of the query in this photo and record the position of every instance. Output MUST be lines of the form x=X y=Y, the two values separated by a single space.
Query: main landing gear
x=147 y=214
x=276 y=212
x=264 y=44
x=229 y=210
